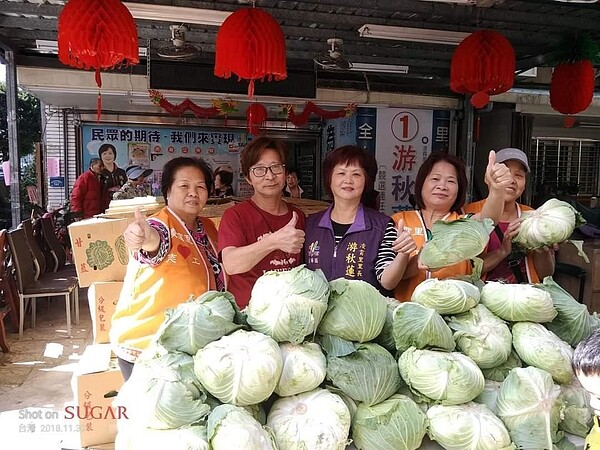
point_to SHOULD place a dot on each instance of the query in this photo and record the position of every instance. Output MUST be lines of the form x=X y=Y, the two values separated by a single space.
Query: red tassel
x=98 y=78
x=99 y=106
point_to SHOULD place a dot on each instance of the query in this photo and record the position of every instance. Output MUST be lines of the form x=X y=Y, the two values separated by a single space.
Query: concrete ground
x=35 y=377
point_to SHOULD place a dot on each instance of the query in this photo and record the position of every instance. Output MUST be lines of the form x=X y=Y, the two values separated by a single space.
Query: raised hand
x=137 y=232
x=497 y=175
x=290 y=239
x=404 y=242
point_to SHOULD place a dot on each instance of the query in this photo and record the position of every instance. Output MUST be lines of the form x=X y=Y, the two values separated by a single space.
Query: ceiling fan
x=334 y=57
x=179 y=49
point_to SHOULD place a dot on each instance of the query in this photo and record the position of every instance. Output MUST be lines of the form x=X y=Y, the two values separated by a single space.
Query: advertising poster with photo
x=152 y=146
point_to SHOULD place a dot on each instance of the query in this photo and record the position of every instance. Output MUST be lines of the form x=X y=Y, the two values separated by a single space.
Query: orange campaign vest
x=532 y=275
x=149 y=290
x=416 y=227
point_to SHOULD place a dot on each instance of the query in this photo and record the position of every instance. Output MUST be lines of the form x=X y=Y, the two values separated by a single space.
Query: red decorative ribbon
x=220 y=106
x=311 y=108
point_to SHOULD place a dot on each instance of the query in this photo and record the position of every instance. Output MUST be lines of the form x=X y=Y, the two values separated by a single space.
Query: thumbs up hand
x=289 y=238
x=404 y=242
x=138 y=232
x=497 y=175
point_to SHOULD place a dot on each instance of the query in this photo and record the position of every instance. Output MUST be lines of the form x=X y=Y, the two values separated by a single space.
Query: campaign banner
x=153 y=146
x=403 y=142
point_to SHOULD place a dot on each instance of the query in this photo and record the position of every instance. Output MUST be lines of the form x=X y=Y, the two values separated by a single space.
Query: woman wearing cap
x=502 y=262
x=134 y=187
x=174 y=256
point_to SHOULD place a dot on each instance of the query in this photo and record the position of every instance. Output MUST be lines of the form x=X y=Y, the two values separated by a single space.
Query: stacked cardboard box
x=95 y=383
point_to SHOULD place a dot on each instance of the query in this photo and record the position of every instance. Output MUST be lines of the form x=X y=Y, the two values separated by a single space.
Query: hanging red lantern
x=98 y=35
x=251 y=45
x=256 y=115
x=483 y=65
x=572 y=87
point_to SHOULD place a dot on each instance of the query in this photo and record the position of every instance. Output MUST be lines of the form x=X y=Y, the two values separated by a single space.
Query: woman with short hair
x=264 y=232
x=174 y=256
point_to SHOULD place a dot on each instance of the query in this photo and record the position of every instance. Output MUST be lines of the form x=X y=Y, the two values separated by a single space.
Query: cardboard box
x=99 y=250
x=95 y=383
x=591 y=283
x=102 y=298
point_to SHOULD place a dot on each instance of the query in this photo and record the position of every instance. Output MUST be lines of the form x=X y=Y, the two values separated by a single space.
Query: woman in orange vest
x=502 y=262
x=440 y=193
x=175 y=256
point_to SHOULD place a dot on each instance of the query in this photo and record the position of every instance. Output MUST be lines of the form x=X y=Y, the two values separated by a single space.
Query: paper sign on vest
x=99 y=250
x=102 y=298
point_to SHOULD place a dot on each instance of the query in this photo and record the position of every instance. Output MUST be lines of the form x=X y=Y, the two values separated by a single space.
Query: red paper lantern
x=572 y=88
x=256 y=115
x=483 y=65
x=251 y=45
x=97 y=34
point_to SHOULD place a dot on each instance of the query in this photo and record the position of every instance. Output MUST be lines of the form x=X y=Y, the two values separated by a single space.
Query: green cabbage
x=468 y=426
x=482 y=336
x=446 y=296
x=386 y=337
x=541 y=348
x=163 y=392
x=315 y=420
x=356 y=311
x=396 y=423
x=195 y=323
x=304 y=368
x=489 y=395
x=232 y=427
x=419 y=326
x=369 y=375
x=450 y=378
x=455 y=241
x=518 y=302
x=499 y=373
x=573 y=322
x=288 y=305
x=578 y=415
x=529 y=406
x=551 y=223
x=242 y=368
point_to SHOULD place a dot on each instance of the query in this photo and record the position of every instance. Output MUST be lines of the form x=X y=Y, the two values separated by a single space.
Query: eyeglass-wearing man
x=264 y=232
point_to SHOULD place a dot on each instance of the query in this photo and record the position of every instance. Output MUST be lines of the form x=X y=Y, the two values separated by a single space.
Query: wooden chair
x=57 y=249
x=39 y=259
x=8 y=304
x=30 y=289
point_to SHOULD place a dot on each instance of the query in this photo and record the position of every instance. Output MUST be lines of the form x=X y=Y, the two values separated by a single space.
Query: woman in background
x=223 y=181
x=292 y=187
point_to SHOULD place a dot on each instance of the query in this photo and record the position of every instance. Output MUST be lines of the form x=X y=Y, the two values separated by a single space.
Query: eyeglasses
x=261 y=171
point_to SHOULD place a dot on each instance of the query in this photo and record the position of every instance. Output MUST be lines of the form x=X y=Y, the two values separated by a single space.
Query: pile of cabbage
x=311 y=364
